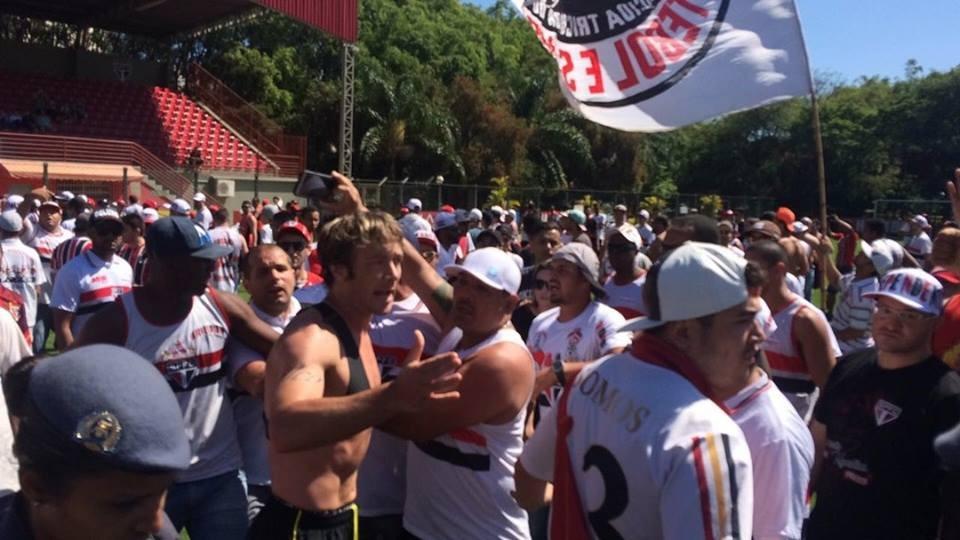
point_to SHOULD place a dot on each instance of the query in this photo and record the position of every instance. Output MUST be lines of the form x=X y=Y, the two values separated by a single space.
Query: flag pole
x=821 y=185
x=818 y=148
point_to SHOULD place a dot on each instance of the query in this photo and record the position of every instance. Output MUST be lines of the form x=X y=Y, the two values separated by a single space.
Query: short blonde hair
x=946 y=248
x=338 y=238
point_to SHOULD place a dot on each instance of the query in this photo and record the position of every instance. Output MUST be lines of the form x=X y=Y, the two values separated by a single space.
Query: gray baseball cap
x=586 y=260
x=10 y=221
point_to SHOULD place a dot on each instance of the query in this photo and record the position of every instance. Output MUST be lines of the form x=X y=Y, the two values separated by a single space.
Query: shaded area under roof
x=158 y=18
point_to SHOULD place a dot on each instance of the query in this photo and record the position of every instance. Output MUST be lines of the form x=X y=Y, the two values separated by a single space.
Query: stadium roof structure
x=159 y=18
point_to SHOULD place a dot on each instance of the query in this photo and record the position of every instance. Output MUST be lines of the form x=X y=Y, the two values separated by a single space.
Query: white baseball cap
x=199 y=197
x=10 y=221
x=476 y=214
x=879 y=254
x=150 y=215
x=920 y=220
x=415 y=204
x=693 y=281
x=493 y=266
x=180 y=207
x=913 y=288
x=631 y=233
x=644 y=214
x=13 y=201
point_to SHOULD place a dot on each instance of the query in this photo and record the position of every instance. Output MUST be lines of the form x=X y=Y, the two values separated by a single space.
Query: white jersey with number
x=781 y=449
x=626 y=299
x=651 y=457
x=190 y=356
x=382 y=480
x=45 y=242
x=586 y=337
x=88 y=284
x=460 y=484
x=248 y=410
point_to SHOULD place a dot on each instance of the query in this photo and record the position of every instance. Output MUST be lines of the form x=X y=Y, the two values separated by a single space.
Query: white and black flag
x=655 y=65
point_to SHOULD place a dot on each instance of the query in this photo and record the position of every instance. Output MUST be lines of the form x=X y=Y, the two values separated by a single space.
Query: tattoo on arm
x=443 y=295
x=305 y=374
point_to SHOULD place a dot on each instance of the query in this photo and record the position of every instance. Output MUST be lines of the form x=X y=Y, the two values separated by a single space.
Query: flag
x=656 y=65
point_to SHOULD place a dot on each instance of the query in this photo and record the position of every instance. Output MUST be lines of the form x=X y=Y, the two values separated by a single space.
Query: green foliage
x=449 y=88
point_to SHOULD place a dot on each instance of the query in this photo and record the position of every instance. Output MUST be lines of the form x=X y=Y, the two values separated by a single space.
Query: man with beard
x=876 y=422
x=92 y=280
x=641 y=444
x=181 y=325
x=323 y=393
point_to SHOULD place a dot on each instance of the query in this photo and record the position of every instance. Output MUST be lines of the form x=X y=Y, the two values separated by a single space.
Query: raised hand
x=422 y=382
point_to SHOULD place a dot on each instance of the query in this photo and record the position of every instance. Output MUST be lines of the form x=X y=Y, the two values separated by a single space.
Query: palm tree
x=405 y=128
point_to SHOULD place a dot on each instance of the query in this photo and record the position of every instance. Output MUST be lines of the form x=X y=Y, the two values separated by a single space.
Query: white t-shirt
x=626 y=299
x=87 y=284
x=853 y=310
x=685 y=464
x=920 y=245
x=13 y=348
x=248 y=410
x=586 y=337
x=226 y=269
x=448 y=256
x=22 y=272
x=382 y=480
x=646 y=233
x=45 y=242
x=781 y=449
x=204 y=218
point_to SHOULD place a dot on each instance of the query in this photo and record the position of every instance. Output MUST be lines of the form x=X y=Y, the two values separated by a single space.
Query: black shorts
x=281 y=521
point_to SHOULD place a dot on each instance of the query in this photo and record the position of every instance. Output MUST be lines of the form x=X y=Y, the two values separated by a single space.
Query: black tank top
x=358 y=376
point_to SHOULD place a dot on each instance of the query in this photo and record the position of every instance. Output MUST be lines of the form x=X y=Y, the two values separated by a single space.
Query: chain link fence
x=390 y=196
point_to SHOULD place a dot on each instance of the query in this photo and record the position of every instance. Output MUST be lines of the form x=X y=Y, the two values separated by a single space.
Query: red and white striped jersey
x=87 y=284
x=649 y=457
x=136 y=257
x=461 y=482
x=788 y=368
x=66 y=251
x=45 y=242
x=190 y=356
x=382 y=480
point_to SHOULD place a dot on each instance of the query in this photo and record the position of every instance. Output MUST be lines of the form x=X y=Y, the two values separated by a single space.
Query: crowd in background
x=854 y=335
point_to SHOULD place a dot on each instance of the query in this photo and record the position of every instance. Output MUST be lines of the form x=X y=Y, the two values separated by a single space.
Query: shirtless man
x=798 y=252
x=323 y=391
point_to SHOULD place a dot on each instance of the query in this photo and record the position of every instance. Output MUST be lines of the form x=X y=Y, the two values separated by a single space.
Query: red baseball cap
x=447 y=208
x=786 y=216
x=296 y=227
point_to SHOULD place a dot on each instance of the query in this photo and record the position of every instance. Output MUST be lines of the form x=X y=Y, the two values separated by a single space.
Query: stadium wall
x=79 y=64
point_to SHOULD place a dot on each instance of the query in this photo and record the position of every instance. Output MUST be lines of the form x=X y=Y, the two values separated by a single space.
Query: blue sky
x=876 y=37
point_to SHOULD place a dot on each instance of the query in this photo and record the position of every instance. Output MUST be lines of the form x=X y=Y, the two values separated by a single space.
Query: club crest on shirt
x=181 y=372
x=885 y=412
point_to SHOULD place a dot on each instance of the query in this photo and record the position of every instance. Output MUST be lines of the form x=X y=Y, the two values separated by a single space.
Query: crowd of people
x=488 y=373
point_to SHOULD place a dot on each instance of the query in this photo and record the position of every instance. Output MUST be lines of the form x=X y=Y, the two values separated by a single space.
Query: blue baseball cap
x=175 y=236
x=107 y=404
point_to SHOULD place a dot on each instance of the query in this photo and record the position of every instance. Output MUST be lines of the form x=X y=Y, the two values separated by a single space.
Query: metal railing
x=30 y=146
x=287 y=151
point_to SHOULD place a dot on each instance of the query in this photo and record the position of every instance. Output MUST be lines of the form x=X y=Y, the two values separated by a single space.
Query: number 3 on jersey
x=615 y=496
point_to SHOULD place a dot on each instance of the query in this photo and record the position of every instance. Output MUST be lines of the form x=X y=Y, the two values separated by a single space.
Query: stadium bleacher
x=168 y=123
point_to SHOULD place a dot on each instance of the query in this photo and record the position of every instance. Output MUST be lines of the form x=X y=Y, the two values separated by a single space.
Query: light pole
x=439 y=180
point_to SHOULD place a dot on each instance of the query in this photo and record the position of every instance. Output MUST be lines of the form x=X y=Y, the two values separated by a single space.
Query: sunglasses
x=292 y=246
x=540 y=284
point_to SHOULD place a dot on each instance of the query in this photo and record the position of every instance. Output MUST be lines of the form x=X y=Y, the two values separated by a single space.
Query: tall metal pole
x=256 y=180
x=348 y=63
